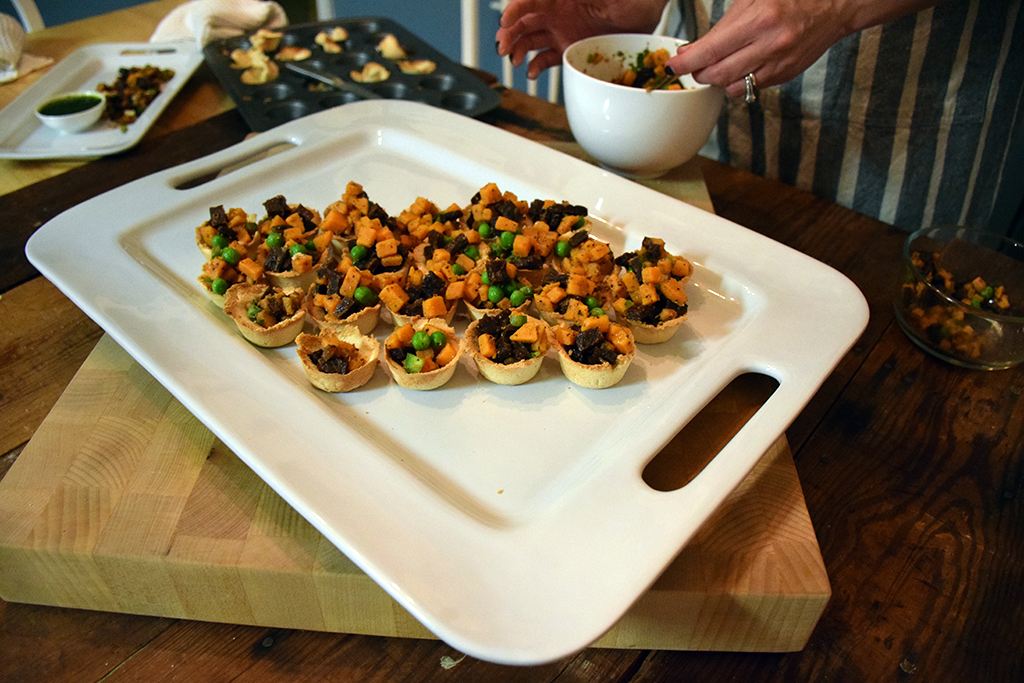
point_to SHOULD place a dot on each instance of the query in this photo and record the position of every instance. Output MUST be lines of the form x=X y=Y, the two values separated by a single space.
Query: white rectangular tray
x=22 y=136
x=512 y=521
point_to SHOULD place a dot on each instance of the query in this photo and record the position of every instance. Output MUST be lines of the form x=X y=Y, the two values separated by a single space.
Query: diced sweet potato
x=388 y=247
x=646 y=294
x=335 y=222
x=554 y=294
x=455 y=290
x=403 y=335
x=620 y=338
x=632 y=284
x=394 y=297
x=382 y=280
x=522 y=245
x=467 y=263
x=489 y=194
x=350 y=282
x=505 y=224
x=651 y=275
x=302 y=263
x=601 y=322
x=673 y=291
x=366 y=234
x=434 y=307
x=576 y=311
x=565 y=335
x=681 y=268
x=392 y=261
x=445 y=355
x=528 y=333
x=250 y=269
x=579 y=285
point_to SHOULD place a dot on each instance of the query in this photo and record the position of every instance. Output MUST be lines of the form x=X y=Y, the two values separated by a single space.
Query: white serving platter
x=22 y=136
x=513 y=522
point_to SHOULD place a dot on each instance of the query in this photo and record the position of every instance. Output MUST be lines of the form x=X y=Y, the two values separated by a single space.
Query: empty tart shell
x=236 y=304
x=362 y=351
x=599 y=376
x=424 y=381
x=500 y=373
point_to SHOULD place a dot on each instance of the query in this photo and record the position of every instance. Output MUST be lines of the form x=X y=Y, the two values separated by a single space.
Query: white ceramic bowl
x=71 y=121
x=630 y=131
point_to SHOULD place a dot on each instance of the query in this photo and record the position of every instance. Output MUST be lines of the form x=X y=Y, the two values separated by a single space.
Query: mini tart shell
x=236 y=304
x=476 y=313
x=364 y=320
x=425 y=381
x=292 y=278
x=644 y=333
x=592 y=376
x=368 y=347
x=499 y=373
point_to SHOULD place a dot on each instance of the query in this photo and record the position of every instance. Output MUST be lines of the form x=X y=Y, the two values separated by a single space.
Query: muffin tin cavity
x=289 y=96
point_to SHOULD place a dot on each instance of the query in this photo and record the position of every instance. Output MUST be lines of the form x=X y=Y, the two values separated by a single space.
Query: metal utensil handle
x=336 y=81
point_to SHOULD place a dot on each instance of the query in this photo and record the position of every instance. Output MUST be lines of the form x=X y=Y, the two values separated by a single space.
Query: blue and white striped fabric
x=908 y=122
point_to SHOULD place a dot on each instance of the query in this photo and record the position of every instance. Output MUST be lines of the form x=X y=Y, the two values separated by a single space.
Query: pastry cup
x=644 y=333
x=333 y=382
x=425 y=381
x=592 y=376
x=500 y=373
x=236 y=304
x=365 y=320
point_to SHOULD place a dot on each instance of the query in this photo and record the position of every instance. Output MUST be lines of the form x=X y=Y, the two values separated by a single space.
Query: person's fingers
x=528 y=43
x=543 y=60
x=517 y=9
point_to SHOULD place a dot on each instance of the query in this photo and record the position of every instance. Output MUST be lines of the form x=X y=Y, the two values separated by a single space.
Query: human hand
x=550 y=26
x=776 y=40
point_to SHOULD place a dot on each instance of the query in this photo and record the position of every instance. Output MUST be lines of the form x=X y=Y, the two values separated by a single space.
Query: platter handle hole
x=710 y=430
x=235 y=165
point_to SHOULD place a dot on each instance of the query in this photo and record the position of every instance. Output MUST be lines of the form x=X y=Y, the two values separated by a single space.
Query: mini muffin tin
x=290 y=96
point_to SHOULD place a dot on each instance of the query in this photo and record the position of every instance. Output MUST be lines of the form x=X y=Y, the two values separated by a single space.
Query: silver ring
x=751 y=84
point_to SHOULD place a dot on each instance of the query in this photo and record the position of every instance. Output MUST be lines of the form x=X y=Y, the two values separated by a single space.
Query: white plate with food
x=22 y=136
x=512 y=521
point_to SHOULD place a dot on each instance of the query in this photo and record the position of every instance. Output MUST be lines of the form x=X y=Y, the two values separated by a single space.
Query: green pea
x=251 y=227
x=421 y=341
x=581 y=222
x=253 y=312
x=219 y=240
x=296 y=249
x=438 y=339
x=507 y=238
x=472 y=252
x=311 y=246
x=215 y=252
x=413 y=363
x=275 y=239
x=592 y=302
x=485 y=278
x=484 y=229
x=458 y=269
x=527 y=291
x=597 y=311
x=517 y=320
x=518 y=299
x=448 y=239
x=219 y=285
x=510 y=287
x=976 y=301
x=358 y=253
x=562 y=249
x=987 y=292
x=495 y=294
x=231 y=255
x=365 y=296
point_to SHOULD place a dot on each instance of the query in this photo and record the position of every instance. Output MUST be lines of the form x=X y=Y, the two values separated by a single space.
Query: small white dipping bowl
x=70 y=112
x=630 y=131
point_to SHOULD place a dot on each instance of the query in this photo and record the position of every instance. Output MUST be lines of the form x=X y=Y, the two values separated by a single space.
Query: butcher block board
x=125 y=502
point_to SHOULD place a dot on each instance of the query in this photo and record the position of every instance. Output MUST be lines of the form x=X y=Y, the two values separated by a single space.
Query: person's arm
x=550 y=26
x=776 y=40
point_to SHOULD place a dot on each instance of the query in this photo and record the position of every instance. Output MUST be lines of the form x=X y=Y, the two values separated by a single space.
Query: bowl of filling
x=624 y=123
x=72 y=112
x=960 y=296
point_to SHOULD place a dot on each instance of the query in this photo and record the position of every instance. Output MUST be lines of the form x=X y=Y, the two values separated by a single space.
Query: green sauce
x=69 y=104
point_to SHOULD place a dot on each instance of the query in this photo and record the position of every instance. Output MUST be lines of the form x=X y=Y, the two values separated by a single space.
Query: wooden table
x=911 y=469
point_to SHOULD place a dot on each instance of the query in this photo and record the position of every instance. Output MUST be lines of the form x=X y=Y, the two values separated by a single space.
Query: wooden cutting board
x=124 y=502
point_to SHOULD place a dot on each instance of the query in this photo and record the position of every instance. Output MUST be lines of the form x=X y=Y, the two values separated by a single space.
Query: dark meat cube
x=307 y=217
x=449 y=216
x=329 y=363
x=278 y=260
x=376 y=211
x=507 y=209
x=275 y=308
x=493 y=324
x=588 y=338
x=458 y=245
x=502 y=349
x=531 y=262
x=218 y=216
x=554 y=276
x=435 y=239
x=497 y=271
x=333 y=279
x=652 y=251
x=346 y=307
x=432 y=285
x=606 y=353
x=277 y=206
x=578 y=238
x=520 y=351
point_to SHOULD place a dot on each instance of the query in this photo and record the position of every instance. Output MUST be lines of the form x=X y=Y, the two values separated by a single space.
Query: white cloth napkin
x=207 y=20
x=14 y=63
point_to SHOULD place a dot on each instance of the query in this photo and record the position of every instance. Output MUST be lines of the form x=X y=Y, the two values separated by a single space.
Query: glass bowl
x=961 y=296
